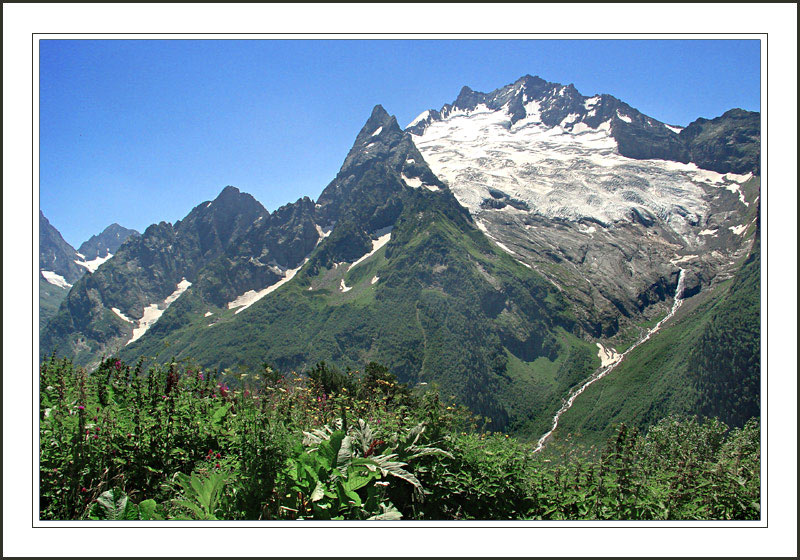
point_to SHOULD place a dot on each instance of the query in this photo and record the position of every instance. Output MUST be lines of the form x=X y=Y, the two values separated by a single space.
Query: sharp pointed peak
x=379 y=112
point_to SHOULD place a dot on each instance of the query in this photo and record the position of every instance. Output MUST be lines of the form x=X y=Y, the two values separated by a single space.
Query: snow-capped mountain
x=591 y=185
x=493 y=247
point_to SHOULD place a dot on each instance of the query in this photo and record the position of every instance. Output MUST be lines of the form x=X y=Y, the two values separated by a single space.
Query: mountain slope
x=554 y=179
x=56 y=256
x=126 y=294
x=706 y=361
x=57 y=269
x=404 y=278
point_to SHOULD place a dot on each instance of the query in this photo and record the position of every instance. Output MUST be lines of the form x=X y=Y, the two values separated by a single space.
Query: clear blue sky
x=140 y=131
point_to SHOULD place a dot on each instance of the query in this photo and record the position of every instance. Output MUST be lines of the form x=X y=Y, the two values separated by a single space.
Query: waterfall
x=602 y=372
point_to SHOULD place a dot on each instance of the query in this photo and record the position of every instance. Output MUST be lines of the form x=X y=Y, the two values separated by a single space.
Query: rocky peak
x=107 y=241
x=55 y=254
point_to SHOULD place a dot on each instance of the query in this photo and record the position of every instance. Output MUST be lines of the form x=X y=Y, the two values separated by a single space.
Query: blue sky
x=140 y=131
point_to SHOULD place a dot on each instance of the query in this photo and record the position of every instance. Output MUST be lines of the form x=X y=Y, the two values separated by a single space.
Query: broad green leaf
x=219 y=414
x=390 y=513
x=318 y=493
x=147 y=510
x=113 y=505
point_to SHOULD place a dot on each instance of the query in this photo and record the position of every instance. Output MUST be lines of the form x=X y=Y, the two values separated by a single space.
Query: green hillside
x=448 y=307
x=706 y=360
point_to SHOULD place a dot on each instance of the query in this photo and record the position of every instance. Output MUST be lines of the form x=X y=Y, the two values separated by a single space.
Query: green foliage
x=114 y=505
x=190 y=444
x=199 y=495
x=727 y=358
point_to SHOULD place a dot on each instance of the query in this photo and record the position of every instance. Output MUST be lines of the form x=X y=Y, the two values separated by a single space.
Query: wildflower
x=219 y=455
x=81 y=407
x=83 y=489
x=217 y=465
x=117 y=364
x=95 y=436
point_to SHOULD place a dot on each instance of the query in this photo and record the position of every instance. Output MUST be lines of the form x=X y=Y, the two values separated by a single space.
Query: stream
x=603 y=371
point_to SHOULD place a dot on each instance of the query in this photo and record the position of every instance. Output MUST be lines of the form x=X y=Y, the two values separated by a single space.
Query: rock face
x=730 y=143
x=107 y=242
x=55 y=254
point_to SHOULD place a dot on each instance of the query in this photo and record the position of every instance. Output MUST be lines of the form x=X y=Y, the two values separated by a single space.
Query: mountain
x=126 y=294
x=556 y=180
x=56 y=256
x=57 y=269
x=60 y=265
x=729 y=143
x=501 y=247
x=105 y=243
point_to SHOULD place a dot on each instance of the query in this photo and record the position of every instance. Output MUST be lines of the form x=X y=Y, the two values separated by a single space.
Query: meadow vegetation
x=178 y=442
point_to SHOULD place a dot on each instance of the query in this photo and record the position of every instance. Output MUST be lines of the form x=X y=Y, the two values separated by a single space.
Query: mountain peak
x=228 y=192
x=378 y=112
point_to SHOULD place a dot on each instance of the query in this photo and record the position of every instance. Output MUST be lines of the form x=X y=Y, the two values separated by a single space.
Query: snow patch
x=625 y=118
x=377 y=131
x=413 y=182
x=504 y=248
x=675 y=129
x=121 y=315
x=208 y=314
x=569 y=119
x=421 y=117
x=344 y=287
x=608 y=356
x=580 y=128
x=251 y=296
x=591 y=102
x=523 y=263
x=374 y=280
x=739 y=178
x=376 y=245
x=93 y=265
x=153 y=312
x=322 y=233
x=56 y=279
x=183 y=285
x=738 y=230
x=712 y=232
x=410 y=161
